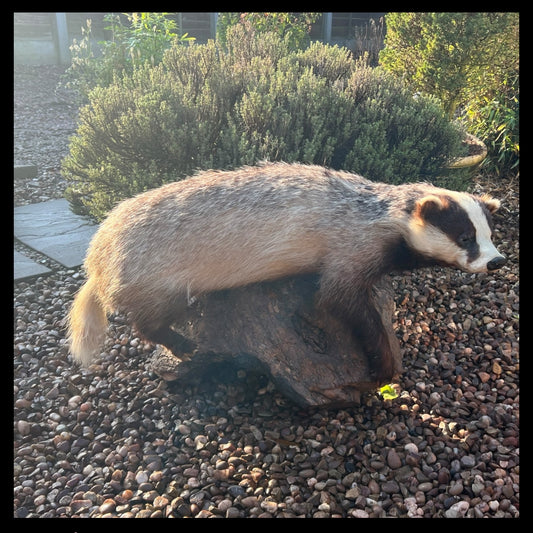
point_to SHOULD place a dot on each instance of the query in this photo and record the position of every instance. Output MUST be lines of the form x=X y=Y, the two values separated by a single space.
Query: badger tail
x=87 y=322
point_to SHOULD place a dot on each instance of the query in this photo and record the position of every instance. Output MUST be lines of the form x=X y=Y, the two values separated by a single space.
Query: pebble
x=233 y=512
x=456 y=488
x=141 y=477
x=457 y=510
x=250 y=501
x=183 y=429
x=484 y=376
x=236 y=490
x=393 y=459
x=468 y=461
x=425 y=486
x=80 y=505
x=108 y=506
x=270 y=506
x=391 y=487
x=353 y=493
x=443 y=476
x=23 y=427
x=411 y=448
x=224 y=505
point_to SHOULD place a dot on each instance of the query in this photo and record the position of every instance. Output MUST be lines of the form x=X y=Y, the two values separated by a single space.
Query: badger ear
x=492 y=204
x=429 y=205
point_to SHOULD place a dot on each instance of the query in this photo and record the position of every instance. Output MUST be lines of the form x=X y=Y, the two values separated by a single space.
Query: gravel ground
x=117 y=441
x=44 y=119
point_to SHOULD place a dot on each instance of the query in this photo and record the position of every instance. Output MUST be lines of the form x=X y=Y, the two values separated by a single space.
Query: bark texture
x=277 y=328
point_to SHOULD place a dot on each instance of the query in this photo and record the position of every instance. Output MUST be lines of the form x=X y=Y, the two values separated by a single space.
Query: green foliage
x=397 y=137
x=495 y=120
x=295 y=27
x=223 y=106
x=368 y=40
x=388 y=392
x=451 y=55
x=469 y=61
x=143 y=39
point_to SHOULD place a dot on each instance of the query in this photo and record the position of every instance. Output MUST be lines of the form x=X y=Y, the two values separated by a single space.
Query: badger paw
x=381 y=367
x=183 y=348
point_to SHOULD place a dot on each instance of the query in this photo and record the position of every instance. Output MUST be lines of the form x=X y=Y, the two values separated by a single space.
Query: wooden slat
x=33 y=25
x=197 y=25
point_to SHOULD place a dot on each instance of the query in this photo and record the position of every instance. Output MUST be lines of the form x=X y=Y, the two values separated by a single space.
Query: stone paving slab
x=54 y=230
x=24 y=267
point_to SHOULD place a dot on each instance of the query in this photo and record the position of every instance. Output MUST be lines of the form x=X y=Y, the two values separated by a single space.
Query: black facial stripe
x=487 y=214
x=472 y=249
x=454 y=221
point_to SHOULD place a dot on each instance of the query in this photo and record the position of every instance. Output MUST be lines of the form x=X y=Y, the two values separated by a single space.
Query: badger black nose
x=496 y=263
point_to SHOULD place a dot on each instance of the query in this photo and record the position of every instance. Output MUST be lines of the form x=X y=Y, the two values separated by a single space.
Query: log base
x=275 y=328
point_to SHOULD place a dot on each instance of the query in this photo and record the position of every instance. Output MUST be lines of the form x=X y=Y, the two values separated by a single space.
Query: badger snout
x=487 y=261
x=496 y=263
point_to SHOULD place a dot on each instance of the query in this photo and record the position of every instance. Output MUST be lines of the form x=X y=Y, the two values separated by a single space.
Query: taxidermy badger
x=219 y=230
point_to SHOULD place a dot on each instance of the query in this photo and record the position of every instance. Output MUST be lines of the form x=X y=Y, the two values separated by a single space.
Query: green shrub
x=496 y=121
x=398 y=137
x=142 y=38
x=451 y=55
x=214 y=106
x=295 y=27
x=470 y=62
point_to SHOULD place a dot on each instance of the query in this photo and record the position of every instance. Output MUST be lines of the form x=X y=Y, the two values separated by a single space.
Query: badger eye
x=466 y=239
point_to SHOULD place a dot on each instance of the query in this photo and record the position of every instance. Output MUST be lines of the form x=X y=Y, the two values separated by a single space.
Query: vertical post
x=62 y=39
x=213 y=19
x=326 y=27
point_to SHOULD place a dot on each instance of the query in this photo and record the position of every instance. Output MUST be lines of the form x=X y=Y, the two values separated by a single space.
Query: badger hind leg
x=155 y=327
x=180 y=346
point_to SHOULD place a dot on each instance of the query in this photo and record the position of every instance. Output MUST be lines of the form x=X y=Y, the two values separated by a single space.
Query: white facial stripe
x=432 y=242
x=478 y=218
x=487 y=250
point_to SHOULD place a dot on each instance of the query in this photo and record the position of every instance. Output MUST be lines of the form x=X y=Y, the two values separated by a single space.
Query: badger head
x=455 y=229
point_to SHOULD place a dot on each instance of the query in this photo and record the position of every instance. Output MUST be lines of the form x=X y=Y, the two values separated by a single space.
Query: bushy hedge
x=214 y=106
x=470 y=60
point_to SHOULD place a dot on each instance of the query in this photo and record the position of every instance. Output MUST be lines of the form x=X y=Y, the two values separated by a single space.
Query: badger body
x=219 y=230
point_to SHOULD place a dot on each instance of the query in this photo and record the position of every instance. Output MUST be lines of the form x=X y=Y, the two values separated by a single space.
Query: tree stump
x=276 y=328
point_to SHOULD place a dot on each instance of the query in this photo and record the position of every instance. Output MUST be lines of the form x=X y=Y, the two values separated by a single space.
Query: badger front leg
x=367 y=327
x=356 y=307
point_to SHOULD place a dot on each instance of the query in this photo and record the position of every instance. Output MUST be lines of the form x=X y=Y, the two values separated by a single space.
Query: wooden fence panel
x=36 y=33
x=33 y=25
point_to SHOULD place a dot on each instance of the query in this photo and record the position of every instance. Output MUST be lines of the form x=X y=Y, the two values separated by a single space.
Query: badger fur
x=219 y=230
